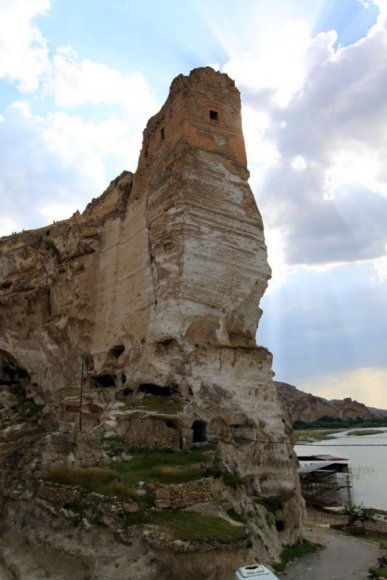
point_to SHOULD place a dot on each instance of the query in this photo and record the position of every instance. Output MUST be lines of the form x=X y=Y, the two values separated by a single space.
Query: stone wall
x=70 y=495
x=150 y=433
x=181 y=495
x=59 y=493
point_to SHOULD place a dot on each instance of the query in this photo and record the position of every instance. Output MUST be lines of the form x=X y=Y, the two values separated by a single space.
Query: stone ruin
x=137 y=320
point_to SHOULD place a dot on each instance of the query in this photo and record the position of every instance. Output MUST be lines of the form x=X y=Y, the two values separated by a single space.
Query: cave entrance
x=151 y=389
x=199 y=431
x=105 y=381
x=10 y=371
x=116 y=351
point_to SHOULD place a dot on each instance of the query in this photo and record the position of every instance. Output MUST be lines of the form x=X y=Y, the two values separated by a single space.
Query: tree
x=357 y=517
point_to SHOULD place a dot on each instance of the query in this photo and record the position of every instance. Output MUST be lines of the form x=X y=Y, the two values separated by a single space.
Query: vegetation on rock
x=290 y=553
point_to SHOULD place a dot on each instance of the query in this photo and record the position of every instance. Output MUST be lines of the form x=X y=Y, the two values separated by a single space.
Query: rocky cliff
x=301 y=406
x=131 y=386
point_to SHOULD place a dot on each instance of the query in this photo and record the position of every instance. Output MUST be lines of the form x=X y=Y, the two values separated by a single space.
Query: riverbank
x=366 y=458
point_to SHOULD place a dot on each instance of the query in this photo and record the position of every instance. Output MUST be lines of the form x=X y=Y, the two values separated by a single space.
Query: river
x=367 y=455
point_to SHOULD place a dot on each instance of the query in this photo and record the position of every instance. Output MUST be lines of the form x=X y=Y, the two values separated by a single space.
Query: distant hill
x=378 y=412
x=301 y=406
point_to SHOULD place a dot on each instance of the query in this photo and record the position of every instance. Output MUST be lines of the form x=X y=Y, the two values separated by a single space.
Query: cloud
x=56 y=163
x=326 y=319
x=7 y=225
x=326 y=192
x=277 y=65
x=23 y=49
x=366 y=385
x=77 y=82
x=89 y=146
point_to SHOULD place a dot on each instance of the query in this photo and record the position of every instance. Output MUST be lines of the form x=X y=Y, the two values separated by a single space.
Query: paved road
x=342 y=558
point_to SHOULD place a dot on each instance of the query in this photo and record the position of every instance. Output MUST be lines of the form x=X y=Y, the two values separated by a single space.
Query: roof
x=321 y=457
x=313 y=466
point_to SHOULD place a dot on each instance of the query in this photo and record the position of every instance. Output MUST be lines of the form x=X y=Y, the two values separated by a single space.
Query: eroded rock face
x=137 y=320
x=301 y=406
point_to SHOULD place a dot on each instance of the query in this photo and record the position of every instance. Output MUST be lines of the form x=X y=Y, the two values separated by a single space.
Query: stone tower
x=154 y=293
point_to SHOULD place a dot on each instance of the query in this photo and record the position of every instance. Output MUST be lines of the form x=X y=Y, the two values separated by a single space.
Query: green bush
x=378 y=572
x=290 y=553
x=28 y=409
x=232 y=478
x=214 y=470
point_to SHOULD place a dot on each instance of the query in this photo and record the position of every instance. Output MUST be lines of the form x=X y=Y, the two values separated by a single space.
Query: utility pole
x=81 y=394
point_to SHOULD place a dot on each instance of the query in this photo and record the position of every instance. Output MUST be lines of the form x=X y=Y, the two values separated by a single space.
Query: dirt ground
x=342 y=557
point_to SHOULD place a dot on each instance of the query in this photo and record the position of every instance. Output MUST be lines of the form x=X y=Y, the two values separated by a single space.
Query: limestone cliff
x=128 y=330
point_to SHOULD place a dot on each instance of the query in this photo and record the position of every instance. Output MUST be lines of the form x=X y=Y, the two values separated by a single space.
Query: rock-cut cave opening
x=159 y=391
x=199 y=431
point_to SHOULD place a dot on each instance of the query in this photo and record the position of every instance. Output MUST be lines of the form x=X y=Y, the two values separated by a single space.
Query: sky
x=79 y=80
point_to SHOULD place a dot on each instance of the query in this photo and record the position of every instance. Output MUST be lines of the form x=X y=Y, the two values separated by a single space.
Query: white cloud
x=23 y=49
x=326 y=193
x=56 y=211
x=7 y=226
x=262 y=151
x=299 y=163
x=281 y=270
x=77 y=81
x=56 y=163
x=282 y=61
x=380 y=265
x=87 y=146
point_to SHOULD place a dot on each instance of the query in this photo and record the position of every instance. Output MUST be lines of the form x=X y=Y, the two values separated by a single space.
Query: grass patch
x=290 y=553
x=149 y=466
x=165 y=466
x=378 y=572
x=92 y=478
x=28 y=409
x=153 y=403
x=114 y=445
x=357 y=433
x=185 y=525
x=307 y=435
x=237 y=517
